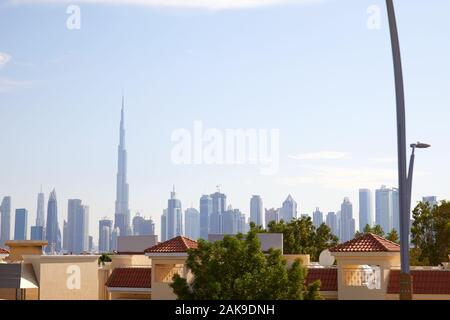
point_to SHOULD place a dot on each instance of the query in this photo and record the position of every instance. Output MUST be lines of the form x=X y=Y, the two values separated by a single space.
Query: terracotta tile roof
x=130 y=278
x=424 y=281
x=3 y=251
x=174 y=245
x=327 y=277
x=368 y=242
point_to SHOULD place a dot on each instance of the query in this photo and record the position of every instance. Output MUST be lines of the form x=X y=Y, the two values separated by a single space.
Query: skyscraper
x=21 y=224
x=219 y=203
x=5 y=211
x=192 y=223
x=164 y=225
x=40 y=211
x=174 y=216
x=365 y=208
x=104 y=239
x=384 y=208
x=77 y=227
x=256 y=210
x=142 y=226
x=272 y=215
x=65 y=236
x=332 y=223
x=122 y=215
x=205 y=213
x=432 y=200
x=230 y=220
x=347 y=228
x=395 y=211
x=317 y=218
x=289 y=209
x=105 y=227
x=114 y=235
x=37 y=233
x=52 y=231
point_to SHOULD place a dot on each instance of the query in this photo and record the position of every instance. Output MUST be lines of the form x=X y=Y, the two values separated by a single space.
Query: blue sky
x=311 y=69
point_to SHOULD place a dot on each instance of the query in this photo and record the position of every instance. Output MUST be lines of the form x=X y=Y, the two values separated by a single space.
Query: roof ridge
x=383 y=239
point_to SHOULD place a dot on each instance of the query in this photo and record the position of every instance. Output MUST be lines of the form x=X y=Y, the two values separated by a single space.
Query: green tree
x=104 y=258
x=301 y=237
x=236 y=268
x=377 y=229
x=393 y=236
x=430 y=232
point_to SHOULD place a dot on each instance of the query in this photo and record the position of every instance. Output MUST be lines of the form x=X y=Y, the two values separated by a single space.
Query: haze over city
x=319 y=75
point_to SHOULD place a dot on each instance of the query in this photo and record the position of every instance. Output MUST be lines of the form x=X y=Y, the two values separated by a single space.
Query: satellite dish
x=325 y=258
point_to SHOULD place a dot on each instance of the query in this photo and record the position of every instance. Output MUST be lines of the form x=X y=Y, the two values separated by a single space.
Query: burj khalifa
x=122 y=213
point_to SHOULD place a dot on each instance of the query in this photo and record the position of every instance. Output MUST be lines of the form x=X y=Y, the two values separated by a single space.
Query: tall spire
x=122 y=213
x=122 y=124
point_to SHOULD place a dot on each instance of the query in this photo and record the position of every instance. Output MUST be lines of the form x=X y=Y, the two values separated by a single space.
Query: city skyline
x=335 y=112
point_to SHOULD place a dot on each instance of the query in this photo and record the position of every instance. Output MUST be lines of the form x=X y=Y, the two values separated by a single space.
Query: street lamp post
x=405 y=277
x=413 y=146
x=404 y=179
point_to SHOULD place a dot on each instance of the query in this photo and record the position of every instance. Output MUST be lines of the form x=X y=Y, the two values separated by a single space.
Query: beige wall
x=162 y=270
x=59 y=277
x=7 y=294
x=290 y=258
x=348 y=261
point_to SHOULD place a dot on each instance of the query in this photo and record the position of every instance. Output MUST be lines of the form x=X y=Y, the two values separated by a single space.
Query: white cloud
x=4 y=59
x=343 y=178
x=321 y=155
x=194 y=4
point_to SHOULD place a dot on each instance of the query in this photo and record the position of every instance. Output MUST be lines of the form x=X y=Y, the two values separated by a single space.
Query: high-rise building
x=289 y=209
x=5 y=222
x=52 y=231
x=122 y=215
x=164 y=225
x=395 y=211
x=347 y=223
x=142 y=226
x=192 y=223
x=105 y=227
x=256 y=210
x=77 y=227
x=272 y=215
x=365 y=209
x=219 y=203
x=37 y=233
x=384 y=208
x=104 y=241
x=317 y=218
x=242 y=225
x=114 y=235
x=229 y=221
x=65 y=236
x=205 y=213
x=332 y=223
x=174 y=216
x=431 y=200
x=40 y=210
x=21 y=224
x=90 y=243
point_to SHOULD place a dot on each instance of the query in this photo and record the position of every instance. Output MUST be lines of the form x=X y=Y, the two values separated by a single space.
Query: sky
x=319 y=73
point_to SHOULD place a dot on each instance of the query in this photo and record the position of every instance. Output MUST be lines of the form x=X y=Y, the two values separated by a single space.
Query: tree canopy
x=300 y=236
x=236 y=268
x=377 y=229
x=430 y=233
